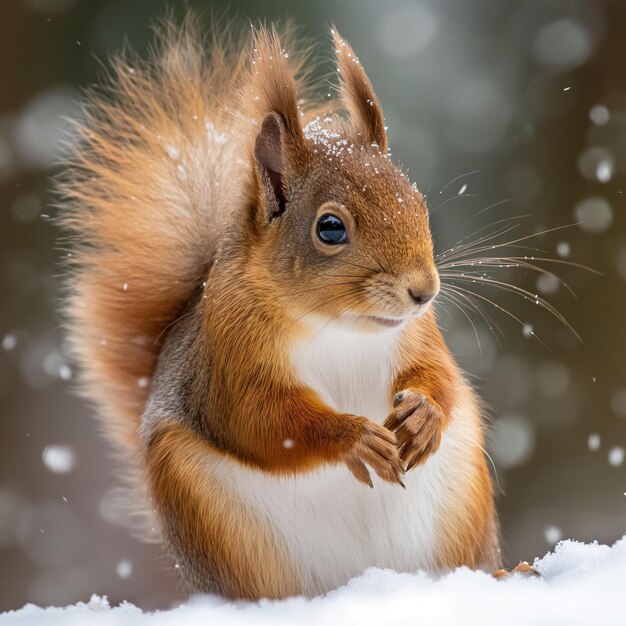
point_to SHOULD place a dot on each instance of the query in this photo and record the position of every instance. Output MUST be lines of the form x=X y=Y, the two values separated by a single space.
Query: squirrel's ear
x=358 y=94
x=270 y=156
x=280 y=148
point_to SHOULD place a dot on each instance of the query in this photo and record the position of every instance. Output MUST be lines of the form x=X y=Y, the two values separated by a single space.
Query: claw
x=416 y=423
x=377 y=447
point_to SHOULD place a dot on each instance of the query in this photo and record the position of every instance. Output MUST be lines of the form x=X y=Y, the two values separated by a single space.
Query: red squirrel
x=251 y=305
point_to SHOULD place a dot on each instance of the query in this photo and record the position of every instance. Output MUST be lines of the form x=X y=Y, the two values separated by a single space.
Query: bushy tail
x=163 y=156
x=155 y=150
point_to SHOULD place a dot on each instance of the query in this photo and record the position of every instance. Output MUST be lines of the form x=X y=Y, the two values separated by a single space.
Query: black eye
x=330 y=229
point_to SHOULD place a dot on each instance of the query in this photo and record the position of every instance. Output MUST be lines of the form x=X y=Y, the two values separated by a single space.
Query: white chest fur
x=333 y=526
x=351 y=371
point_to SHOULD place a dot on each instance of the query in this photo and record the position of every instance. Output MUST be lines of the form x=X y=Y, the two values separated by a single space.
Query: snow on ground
x=581 y=584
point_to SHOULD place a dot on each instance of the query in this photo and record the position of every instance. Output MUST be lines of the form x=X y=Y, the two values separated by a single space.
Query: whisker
x=469 y=319
x=478 y=256
x=450 y=199
x=491 y=206
x=523 y=259
x=491 y=323
x=500 y=308
x=539 y=234
x=463 y=247
x=458 y=178
x=467 y=248
x=439 y=304
x=524 y=293
x=465 y=300
x=470 y=268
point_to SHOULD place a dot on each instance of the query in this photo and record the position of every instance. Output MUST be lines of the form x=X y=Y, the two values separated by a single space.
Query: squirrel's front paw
x=417 y=424
x=376 y=447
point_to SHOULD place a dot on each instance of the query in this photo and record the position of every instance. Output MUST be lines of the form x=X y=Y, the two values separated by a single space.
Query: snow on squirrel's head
x=333 y=220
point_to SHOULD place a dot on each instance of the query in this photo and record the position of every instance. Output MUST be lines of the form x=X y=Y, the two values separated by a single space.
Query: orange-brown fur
x=264 y=386
x=251 y=565
x=170 y=207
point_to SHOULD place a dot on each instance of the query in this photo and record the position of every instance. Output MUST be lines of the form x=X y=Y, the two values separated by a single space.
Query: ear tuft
x=358 y=94
x=272 y=95
x=273 y=86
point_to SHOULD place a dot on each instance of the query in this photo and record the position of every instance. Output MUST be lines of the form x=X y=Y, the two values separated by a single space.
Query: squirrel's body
x=326 y=525
x=251 y=258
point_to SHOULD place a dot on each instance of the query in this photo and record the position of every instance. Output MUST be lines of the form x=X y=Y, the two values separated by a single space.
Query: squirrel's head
x=337 y=226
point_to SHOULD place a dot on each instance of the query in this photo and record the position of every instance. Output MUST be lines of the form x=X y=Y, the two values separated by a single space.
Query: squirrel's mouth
x=387 y=322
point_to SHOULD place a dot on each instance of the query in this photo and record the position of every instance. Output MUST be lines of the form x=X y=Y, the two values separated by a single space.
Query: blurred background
x=498 y=109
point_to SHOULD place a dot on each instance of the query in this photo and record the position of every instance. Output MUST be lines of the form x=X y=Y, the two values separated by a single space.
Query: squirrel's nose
x=421 y=296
